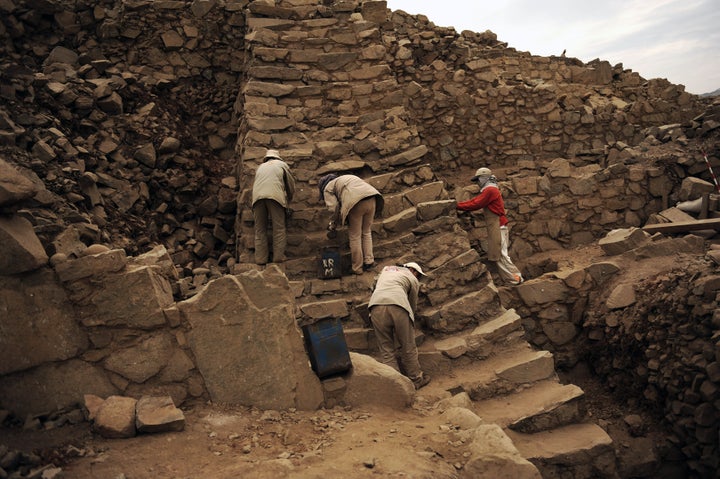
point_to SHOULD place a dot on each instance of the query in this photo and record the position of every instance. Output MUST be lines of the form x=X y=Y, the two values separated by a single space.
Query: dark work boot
x=422 y=381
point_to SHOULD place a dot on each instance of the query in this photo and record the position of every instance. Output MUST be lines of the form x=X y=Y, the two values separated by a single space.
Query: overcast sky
x=674 y=39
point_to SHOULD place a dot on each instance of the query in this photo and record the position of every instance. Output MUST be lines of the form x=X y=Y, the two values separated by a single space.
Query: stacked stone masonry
x=152 y=116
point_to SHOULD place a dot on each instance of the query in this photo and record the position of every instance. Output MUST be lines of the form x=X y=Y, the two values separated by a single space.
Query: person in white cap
x=273 y=189
x=490 y=198
x=392 y=313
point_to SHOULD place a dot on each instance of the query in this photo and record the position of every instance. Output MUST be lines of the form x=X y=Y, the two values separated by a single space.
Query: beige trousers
x=262 y=209
x=498 y=242
x=392 y=322
x=360 y=220
x=494 y=240
x=506 y=268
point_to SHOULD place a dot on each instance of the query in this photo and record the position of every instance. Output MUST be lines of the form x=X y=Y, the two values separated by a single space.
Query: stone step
x=542 y=406
x=311 y=215
x=580 y=451
x=506 y=371
x=360 y=340
x=389 y=237
x=345 y=306
x=482 y=341
x=467 y=310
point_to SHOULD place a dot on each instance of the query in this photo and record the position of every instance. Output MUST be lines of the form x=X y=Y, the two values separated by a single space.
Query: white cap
x=481 y=172
x=415 y=266
x=272 y=154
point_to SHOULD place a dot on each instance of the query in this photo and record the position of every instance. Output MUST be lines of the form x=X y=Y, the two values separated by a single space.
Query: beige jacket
x=396 y=285
x=273 y=181
x=344 y=192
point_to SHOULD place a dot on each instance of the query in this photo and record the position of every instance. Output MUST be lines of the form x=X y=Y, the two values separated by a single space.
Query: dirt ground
x=241 y=442
x=237 y=442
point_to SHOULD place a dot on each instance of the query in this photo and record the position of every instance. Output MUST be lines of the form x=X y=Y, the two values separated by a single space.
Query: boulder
x=158 y=414
x=247 y=344
x=38 y=322
x=53 y=386
x=14 y=187
x=377 y=384
x=492 y=454
x=22 y=250
x=622 y=240
x=115 y=418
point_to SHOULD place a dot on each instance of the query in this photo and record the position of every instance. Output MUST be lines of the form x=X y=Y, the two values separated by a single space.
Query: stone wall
x=365 y=90
x=107 y=324
x=477 y=102
x=663 y=350
x=653 y=338
x=144 y=120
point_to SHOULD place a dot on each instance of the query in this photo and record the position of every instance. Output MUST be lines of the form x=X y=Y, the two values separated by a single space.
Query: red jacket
x=490 y=198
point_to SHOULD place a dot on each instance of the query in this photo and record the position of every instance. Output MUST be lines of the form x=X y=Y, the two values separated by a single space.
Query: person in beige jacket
x=273 y=189
x=352 y=199
x=392 y=313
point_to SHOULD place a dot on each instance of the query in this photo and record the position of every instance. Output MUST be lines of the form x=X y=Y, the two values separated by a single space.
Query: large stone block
x=14 y=186
x=433 y=251
x=115 y=418
x=134 y=298
x=336 y=308
x=21 y=249
x=493 y=454
x=543 y=291
x=53 y=386
x=247 y=344
x=372 y=383
x=622 y=240
x=470 y=309
x=434 y=209
x=158 y=414
x=426 y=193
x=693 y=188
x=403 y=221
x=142 y=361
x=37 y=323
x=91 y=265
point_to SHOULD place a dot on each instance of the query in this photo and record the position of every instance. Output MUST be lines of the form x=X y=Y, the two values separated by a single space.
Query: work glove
x=331 y=230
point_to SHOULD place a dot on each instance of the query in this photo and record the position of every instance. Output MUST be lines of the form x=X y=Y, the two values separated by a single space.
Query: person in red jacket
x=490 y=199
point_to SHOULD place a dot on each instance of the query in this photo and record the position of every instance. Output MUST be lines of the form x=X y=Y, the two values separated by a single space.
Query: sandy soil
x=243 y=442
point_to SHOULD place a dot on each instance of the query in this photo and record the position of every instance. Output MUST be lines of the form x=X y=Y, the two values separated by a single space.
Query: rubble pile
x=471 y=97
x=122 y=131
x=663 y=350
x=19 y=464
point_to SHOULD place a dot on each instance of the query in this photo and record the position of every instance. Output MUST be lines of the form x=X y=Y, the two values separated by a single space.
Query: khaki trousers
x=506 y=268
x=392 y=322
x=261 y=210
x=494 y=240
x=360 y=220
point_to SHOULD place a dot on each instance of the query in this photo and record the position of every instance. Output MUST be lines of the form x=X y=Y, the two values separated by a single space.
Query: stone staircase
x=515 y=387
x=351 y=118
x=468 y=342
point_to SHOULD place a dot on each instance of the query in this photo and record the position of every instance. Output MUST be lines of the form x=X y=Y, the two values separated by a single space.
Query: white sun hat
x=414 y=266
x=272 y=154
